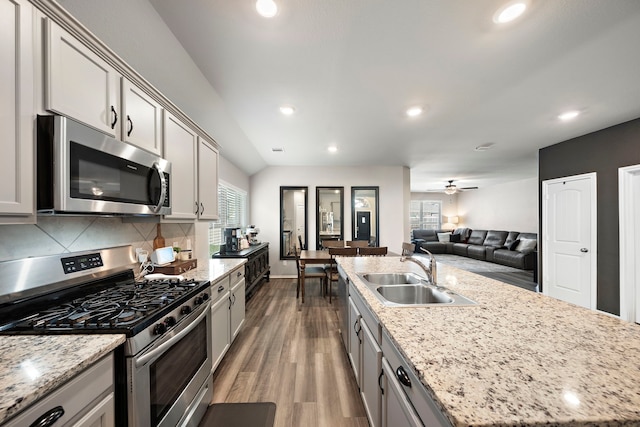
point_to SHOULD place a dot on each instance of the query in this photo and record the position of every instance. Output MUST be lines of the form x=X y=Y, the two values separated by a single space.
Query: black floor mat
x=259 y=414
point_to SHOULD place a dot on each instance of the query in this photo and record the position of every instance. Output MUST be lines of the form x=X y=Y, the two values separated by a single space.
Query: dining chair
x=310 y=272
x=300 y=241
x=332 y=269
x=357 y=243
x=332 y=244
x=373 y=251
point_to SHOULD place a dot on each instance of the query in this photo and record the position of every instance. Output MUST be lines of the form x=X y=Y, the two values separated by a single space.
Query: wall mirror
x=293 y=220
x=329 y=225
x=364 y=215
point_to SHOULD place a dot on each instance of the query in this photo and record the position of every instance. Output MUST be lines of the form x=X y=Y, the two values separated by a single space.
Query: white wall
x=265 y=203
x=512 y=207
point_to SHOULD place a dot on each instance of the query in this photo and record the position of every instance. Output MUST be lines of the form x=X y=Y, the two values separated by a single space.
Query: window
x=426 y=214
x=232 y=210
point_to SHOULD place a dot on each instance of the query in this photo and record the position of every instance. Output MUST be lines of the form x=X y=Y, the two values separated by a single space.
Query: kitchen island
x=515 y=358
x=33 y=366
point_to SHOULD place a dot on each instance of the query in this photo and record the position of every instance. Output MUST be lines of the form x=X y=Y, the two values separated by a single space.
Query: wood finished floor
x=291 y=354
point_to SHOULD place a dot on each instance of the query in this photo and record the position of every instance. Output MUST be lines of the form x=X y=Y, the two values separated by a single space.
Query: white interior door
x=569 y=228
x=629 y=196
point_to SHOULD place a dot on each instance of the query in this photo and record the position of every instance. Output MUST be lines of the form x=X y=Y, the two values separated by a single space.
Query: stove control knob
x=185 y=309
x=198 y=300
x=170 y=321
x=205 y=296
x=159 y=329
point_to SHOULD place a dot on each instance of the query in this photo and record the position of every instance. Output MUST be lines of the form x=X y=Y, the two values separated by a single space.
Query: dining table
x=312 y=257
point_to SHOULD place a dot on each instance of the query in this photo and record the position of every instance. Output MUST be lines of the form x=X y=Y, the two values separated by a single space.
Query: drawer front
x=365 y=312
x=236 y=276
x=416 y=393
x=220 y=289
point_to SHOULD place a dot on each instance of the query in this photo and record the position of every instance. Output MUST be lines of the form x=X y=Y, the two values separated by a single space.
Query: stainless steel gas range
x=163 y=371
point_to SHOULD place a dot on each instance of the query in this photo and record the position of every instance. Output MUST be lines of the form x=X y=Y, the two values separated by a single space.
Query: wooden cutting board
x=177 y=267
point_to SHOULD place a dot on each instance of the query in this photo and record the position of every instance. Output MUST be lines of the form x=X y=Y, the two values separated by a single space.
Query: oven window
x=170 y=374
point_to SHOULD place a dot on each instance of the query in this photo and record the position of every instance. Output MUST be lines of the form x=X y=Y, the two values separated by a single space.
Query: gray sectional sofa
x=511 y=248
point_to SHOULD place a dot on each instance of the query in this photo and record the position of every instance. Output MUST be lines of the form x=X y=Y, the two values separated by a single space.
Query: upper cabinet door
x=79 y=84
x=141 y=119
x=207 y=181
x=181 y=149
x=16 y=104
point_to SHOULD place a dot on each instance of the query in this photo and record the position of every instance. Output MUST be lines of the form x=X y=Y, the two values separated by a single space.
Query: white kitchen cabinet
x=369 y=376
x=141 y=118
x=17 y=106
x=87 y=400
x=181 y=149
x=220 y=320
x=237 y=301
x=79 y=84
x=397 y=411
x=207 y=181
x=355 y=340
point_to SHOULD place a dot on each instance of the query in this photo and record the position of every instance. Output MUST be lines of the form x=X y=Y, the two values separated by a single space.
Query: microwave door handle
x=163 y=187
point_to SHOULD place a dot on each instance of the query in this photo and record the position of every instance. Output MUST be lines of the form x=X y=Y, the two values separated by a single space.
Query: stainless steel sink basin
x=411 y=290
x=392 y=278
x=414 y=294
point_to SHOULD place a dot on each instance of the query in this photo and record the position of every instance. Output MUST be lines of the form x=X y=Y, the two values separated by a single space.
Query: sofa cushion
x=476 y=251
x=460 y=248
x=477 y=237
x=525 y=261
x=526 y=245
x=511 y=246
x=495 y=238
x=437 y=247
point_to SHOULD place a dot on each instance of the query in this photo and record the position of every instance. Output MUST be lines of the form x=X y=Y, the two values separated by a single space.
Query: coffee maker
x=232 y=238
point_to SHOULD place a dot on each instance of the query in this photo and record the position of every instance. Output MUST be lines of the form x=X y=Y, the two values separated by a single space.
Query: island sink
x=411 y=290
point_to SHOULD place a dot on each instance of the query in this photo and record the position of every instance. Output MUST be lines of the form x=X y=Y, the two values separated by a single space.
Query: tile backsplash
x=59 y=234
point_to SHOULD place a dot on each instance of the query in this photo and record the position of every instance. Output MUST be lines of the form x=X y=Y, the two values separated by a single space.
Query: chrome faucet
x=431 y=271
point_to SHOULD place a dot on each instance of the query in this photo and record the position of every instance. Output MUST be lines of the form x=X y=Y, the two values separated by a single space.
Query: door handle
x=584 y=250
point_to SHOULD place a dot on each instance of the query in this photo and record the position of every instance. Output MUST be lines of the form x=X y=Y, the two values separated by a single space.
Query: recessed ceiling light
x=277 y=150
x=332 y=149
x=267 y=8
x=287 y=110
x=414 y=111
x=569 y=115
x=510 y=11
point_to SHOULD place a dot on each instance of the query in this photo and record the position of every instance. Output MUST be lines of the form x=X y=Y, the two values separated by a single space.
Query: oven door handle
x=159 y=350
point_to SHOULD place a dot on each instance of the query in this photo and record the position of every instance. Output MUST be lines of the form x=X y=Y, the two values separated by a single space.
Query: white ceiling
x=352 y=67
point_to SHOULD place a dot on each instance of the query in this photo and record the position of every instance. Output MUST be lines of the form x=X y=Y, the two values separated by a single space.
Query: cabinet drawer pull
x=220 y=288
x=197 y=209
x=403 y=377
x=201 y=208
x=379 y=381
x=49 y=418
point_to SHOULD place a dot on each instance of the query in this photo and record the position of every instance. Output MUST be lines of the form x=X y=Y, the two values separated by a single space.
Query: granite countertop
x=32 y=366
x=214 y=269
x=515 y=358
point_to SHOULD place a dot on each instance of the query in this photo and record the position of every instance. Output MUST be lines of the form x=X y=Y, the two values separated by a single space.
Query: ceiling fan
x=451 y=188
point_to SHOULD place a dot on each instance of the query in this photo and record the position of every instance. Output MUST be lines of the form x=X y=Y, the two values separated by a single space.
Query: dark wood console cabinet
x=256 y=267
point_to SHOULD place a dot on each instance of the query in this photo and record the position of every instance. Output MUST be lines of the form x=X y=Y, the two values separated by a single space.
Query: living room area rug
x=503 y=273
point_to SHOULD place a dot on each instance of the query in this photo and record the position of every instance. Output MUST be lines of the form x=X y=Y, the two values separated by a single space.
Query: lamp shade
x=453 y=219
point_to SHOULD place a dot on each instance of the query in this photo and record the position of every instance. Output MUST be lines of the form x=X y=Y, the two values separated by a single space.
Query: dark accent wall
x=602 y=152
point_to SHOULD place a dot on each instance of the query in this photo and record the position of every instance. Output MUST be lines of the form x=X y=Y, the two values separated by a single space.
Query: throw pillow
x=526 y=245
x=455 y=238
x=444 y=237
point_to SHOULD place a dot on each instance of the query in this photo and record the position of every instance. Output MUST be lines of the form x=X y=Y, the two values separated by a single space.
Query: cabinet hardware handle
x=221 y=288
x=238 y=274
x=403 y=377
x=234 y=299
x=379 y=383
x=130 y=125
x=197 y=209
x=584 y=250
x=202 y=208
x=115 y=118
x=49 y=418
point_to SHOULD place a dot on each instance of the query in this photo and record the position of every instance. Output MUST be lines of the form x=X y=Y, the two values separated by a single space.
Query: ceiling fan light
x=450 y=189
x=510 y=11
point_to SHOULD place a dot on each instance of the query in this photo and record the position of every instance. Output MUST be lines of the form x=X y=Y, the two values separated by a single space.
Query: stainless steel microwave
x=83 y=171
